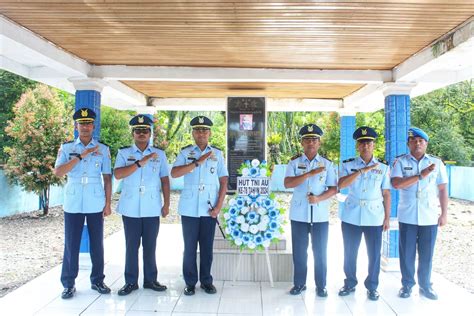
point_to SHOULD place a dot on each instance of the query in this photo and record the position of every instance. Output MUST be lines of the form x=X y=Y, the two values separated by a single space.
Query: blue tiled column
x=397 y=122
x=346 y=142
x=88 y=95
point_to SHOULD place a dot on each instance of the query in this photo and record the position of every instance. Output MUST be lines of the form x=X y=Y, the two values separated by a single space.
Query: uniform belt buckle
x=84 y=180
x=141 y=189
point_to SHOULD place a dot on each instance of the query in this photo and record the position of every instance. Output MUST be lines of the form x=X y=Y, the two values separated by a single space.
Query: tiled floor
x=42 y=295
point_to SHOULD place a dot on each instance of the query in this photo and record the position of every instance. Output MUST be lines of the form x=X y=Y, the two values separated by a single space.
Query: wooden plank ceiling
x=256 y=34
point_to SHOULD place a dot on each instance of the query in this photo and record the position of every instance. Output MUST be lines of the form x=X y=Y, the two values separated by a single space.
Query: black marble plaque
x=245 y=133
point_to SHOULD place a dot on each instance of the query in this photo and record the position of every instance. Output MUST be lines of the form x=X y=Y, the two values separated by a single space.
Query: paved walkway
x=42 y=295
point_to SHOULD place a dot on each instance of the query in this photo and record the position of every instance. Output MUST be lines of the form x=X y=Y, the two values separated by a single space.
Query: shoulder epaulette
x=103 y=143
x=68 y=142
x=216 y=147
x=348 y=160
x=400 y=155
x=160 y=148
x=125 y=147
x=295 y=156
x=187 y=146
x=383 y=161
x=327 y=158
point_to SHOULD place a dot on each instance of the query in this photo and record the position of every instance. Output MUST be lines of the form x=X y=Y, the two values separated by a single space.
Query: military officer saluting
x=144 y=170
x=422 y=181
x=366 y=210
x=86 y=162
x=205 y=186
x=314 y=180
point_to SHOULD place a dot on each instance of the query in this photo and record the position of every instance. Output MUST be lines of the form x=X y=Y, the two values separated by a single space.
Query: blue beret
x=201 y=122
x=311 y=130
x=418 y=132
x=84 y=115
x=141 y=121
x=364 y=133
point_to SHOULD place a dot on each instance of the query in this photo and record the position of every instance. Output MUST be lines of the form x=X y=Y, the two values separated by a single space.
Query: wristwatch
x=196 y=163
x=420 y=177
x=138 y=163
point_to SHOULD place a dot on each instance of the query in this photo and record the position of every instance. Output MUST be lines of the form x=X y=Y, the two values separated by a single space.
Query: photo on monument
x=246 y=122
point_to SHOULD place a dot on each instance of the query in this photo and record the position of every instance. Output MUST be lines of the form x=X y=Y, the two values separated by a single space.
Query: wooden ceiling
x=255 y=34
x=219 y=90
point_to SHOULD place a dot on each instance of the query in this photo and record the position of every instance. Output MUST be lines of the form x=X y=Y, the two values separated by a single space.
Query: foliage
x=115 y=130
x=39 y=125
x=11 y=88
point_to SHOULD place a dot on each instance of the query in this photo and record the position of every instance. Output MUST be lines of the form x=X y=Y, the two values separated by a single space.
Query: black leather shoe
x=404 y=292
x=101 y=288
x=155 y=286
x=321 y=292
x=373 y=295
x=346 y=290
x=209 y=288
x=189 y=290
x=68 y=292
x=429 y=293
x=127 y=289
x=297 y=289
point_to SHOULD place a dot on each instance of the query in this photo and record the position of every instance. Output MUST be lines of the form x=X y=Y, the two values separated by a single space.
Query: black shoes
x=189 y=290
x=297 y=289
x=101 y=288
x=68 y=292
x=321 y=292
x=127 y=289
x=209 y=288
x=346 y=290
x=373 y=295
x=429 y=293
x=404 y=292
x=155 y=286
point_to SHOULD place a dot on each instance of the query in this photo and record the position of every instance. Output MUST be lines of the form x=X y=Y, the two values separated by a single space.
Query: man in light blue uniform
x=144 y=170
x=366 y=210
x=422 y=181
x=314 y=180
x=205 y=186
x=88 y=191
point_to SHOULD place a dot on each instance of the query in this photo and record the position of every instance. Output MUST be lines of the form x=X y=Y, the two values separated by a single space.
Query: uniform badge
x=213 y=156
x=97 y=164
x=310 y=128
x=84 y=113
x=131 y=158
x=141 y=119
x=364 y=131
x=302 y=166
x=408 y=168
x=213 y=170
x=201 y=119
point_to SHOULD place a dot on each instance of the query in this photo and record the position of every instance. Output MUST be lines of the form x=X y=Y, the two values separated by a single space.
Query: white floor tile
x=284 y=307
x=196 y=304
x=240 y=305
x=58 y=311
x=79 y=301
x=113 y=303
x=154 y=303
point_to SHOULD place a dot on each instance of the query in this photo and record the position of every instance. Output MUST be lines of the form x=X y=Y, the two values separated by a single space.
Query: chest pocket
x=211 y=169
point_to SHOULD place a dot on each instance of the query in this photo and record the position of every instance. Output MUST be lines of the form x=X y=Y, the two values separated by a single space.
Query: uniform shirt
x=364 y=203
x=418 y=203
x=84 y=191
x=300 y=209
x=141 y=191
x=202 y=184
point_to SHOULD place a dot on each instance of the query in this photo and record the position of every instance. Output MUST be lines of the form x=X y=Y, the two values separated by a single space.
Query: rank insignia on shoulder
x=348 y=160
x=186 y=146
x=382 y=161
x=68 y=142
x=295 y=157
x=125 y=147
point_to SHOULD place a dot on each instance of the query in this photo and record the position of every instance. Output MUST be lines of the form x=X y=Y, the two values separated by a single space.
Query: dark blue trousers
x=319 y=243
x=73 y=224
x=411 y=237
x=145 y=230
x=198 y=230
x=352 y=235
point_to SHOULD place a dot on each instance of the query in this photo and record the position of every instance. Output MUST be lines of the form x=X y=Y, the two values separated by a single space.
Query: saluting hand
x=145 y=159
x=368 y=168
x=425 y=172
x=87 y=151
x=203 y=158
x=315 y=171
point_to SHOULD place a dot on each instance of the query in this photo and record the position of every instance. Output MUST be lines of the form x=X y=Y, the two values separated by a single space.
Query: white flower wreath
x=253 y=221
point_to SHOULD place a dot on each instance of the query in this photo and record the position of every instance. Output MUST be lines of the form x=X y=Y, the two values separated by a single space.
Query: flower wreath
x=253 y=221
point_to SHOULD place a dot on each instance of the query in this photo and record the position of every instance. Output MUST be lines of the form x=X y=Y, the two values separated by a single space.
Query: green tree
x=11 y=88
x=114 y=129
x=39 y=125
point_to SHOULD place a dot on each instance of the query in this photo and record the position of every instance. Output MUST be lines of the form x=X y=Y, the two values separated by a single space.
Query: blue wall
x=13 y=200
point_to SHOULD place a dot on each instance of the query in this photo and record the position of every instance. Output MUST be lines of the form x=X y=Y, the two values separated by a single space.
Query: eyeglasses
x=201 y=130
x=141 y=131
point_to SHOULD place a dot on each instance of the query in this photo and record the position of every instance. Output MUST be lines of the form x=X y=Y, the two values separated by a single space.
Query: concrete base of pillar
x=85 y=261
x=390 y=264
